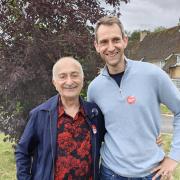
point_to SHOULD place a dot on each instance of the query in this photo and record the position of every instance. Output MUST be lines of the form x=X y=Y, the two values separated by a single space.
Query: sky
x=150 y=14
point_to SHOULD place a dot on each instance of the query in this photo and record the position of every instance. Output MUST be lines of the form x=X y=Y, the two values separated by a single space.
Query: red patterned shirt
x=73 y=154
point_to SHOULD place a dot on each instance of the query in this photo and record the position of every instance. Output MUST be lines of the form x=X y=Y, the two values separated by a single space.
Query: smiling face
x=110 y=44
x=68 y=78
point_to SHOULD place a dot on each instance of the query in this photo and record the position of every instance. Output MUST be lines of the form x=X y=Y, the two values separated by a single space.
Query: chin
x=113 y=63
x=71 y=95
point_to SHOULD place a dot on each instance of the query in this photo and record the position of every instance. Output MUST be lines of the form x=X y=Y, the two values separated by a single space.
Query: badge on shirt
x=131 y=99
x=94 y=129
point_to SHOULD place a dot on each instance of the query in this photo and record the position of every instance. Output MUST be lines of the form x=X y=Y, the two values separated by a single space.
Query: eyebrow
x=113 y=38
x=103 y=40
x=73 y=72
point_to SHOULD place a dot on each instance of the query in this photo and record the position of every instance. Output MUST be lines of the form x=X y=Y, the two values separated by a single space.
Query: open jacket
x=36 y=151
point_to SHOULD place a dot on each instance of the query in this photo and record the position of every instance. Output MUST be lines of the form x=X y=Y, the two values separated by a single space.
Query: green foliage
x=164 y=109
x=83 y=93
x=135 y=36
x=9 y=123
x=84 y=90
x=34 y=34
x=159 y=29
x=19 y=107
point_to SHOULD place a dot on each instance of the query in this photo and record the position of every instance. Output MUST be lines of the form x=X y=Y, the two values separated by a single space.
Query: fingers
x=156 y=175
x=163 y=175
x=156 y=169
x=165 y=169
x=159 y=140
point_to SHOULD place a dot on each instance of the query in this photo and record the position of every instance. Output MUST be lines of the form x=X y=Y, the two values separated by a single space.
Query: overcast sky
x=149 y=14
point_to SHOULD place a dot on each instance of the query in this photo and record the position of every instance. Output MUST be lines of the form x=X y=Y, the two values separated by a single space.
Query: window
x=178 y=59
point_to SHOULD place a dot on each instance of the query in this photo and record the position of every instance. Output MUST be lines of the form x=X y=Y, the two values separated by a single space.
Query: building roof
x=156 y=45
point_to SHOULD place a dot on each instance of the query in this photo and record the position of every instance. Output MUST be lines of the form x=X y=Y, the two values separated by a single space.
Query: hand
x=159 y=140
x=165 y=169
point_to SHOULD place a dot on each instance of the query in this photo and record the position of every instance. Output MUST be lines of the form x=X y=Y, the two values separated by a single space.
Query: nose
x=69 y=80
x=111 y=46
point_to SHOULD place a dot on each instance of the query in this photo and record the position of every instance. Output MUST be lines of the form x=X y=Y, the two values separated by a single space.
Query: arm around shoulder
x=101 y=124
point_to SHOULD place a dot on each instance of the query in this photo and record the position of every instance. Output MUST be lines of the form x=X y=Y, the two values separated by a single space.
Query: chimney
x=143 y=34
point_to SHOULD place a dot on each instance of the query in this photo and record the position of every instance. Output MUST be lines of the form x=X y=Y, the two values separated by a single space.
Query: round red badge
x=94 y=129
x=131 y=99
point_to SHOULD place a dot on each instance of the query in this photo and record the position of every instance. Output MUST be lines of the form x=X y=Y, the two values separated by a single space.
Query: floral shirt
x=73 y=154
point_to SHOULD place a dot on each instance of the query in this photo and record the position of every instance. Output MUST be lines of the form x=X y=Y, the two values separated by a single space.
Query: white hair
x=68 y=58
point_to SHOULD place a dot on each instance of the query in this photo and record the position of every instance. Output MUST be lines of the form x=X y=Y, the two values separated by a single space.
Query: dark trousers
x=107 y=174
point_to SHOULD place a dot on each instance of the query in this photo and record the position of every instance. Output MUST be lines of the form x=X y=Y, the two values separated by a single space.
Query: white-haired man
x=63 y=135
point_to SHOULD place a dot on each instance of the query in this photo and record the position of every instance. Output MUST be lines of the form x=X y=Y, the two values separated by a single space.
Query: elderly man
x=129 y=94
x=62 y=137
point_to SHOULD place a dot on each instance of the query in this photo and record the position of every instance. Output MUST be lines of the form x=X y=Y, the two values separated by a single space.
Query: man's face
x=68 y=79
x=110 y=44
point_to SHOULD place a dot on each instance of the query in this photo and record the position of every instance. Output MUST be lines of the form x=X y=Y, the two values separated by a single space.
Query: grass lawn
x=167 y=141
x=164 y=109
x=7 y=162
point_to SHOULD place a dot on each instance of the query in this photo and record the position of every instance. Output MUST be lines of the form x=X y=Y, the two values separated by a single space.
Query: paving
x=167 y=123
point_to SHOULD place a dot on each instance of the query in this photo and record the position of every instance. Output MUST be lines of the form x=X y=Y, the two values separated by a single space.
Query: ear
x=54 y=83
x=96 y=46
x=125 y=39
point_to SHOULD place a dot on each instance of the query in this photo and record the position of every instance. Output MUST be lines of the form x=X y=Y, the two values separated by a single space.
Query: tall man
x=129 y=94
x=63 y=137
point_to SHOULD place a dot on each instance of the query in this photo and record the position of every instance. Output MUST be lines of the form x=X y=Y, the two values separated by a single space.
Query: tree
x=135 y=36
x=34 y=34
x=159 y=29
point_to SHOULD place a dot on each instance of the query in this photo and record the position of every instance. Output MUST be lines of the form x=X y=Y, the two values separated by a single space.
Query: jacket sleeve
x=24 y=150
x=170 y=96
x=101 y=122
x=101 y=125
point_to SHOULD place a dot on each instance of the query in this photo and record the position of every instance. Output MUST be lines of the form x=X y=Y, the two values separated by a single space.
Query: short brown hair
x=109 y=20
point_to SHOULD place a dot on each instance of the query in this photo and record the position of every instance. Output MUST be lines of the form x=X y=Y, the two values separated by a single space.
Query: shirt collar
x=61 y=110
x=105 y=72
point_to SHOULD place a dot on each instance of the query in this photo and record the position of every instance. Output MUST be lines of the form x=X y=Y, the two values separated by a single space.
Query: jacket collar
x=52 y=104
x=84 y=104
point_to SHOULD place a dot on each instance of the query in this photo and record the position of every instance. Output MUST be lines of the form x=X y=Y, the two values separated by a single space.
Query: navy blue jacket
x=36 y=150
